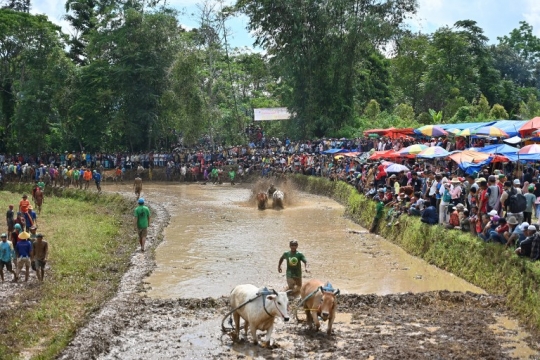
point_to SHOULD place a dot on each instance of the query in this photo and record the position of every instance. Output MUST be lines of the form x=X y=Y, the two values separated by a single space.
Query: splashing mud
x=262 y=185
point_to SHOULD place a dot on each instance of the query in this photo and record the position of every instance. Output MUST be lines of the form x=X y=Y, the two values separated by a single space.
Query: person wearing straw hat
x=516 y=232
x=24 y=254
x=456 y=190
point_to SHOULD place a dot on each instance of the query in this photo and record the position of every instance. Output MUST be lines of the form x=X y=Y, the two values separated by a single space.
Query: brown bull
x=108 y=175
x=319 y=300
x=262 y=201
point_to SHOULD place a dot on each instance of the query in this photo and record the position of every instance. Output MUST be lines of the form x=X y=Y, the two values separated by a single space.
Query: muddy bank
x=95 y=337
x=400 y=326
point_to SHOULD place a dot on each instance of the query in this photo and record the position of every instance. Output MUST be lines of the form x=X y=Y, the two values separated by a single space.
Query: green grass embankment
x=91 y=240
x=488 y=266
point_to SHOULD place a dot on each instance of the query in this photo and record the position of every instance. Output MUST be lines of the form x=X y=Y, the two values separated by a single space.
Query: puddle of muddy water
x=218 y=239
x=513 y=338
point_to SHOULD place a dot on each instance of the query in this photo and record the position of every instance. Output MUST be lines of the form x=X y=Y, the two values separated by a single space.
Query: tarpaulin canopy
x=390 y=132
x=463 y=126
x=502 y=149
x=335 y=151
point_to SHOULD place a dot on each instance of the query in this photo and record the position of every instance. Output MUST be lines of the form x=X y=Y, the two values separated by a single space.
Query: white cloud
x=54 y=9
x=532 y=14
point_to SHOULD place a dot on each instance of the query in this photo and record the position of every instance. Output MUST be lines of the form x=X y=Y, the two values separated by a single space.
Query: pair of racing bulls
x=259 y=307
x=277 y=200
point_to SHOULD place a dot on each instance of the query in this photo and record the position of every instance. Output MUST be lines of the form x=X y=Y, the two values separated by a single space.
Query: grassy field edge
x=92 y=250
x=488 y=266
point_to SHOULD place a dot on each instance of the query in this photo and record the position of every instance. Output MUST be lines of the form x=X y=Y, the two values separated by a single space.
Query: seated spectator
x=497 y=235
x=430 y=216
x=516 y=233
x=454 y=222
x=491 y=225
x=464 y=221
x=473 y=219
x=525 y=247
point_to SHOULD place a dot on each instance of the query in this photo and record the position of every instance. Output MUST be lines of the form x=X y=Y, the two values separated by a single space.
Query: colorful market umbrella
x=491 y=131
x=467 y=132
x=530 y=149
x=530 y=126
x=431 y=130
x=453 y=131
x=413 y=149
x=395 y=168
x=433 y=152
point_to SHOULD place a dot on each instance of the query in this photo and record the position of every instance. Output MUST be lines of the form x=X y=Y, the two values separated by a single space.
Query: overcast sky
x=496 y=17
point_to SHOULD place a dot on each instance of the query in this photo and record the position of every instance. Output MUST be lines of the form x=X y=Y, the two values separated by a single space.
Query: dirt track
x=406 y=326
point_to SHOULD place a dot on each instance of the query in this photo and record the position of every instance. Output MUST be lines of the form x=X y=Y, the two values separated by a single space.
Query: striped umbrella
x=453 y=131
x=413 y=149
x=491 y=131
x=433 y=152
x=431 y=130
x=530 y=149
x=467 y=132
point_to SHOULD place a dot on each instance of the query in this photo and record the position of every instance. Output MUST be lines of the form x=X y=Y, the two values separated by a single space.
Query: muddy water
x=217 y=239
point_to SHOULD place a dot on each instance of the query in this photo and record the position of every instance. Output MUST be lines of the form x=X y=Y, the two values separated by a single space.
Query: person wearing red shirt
x=483 y=198
x=23 y=208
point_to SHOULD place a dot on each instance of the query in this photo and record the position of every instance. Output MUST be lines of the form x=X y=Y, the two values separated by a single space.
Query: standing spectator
x=24 y=254
x=142 y=216
x=531 y=199
x=379 y=211
x=10 y=220
x=40 y=254
x=7 y=254
x=97 y=179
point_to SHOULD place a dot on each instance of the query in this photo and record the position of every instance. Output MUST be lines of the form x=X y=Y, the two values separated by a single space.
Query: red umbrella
x=530 y=126
x=530 y=149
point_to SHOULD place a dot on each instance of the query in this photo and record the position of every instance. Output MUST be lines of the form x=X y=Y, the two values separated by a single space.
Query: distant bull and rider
x=276 y=195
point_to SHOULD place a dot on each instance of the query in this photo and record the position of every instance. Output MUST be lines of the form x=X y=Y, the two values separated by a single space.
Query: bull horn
x=274 y=290
x=320 y=288
x=288 y=292
x=336 y=293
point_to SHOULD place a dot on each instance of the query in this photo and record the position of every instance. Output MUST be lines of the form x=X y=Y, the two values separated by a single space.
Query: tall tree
x=321 y=48
x=32 y=70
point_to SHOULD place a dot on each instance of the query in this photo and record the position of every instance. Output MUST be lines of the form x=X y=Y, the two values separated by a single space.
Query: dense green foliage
x=131 y=78
x=489 y=266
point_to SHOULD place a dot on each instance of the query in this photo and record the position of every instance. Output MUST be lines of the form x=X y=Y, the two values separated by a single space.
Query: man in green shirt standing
x=142 y=220
x=379 y=211
x=294 y=268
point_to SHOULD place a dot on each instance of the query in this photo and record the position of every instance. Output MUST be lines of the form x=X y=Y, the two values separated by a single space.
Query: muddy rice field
x=393 y=306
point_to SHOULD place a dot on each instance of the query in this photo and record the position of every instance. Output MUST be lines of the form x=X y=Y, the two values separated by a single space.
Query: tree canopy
x=131 y=78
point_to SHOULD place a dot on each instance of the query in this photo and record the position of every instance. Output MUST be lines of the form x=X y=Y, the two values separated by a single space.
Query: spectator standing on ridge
x=142 y=221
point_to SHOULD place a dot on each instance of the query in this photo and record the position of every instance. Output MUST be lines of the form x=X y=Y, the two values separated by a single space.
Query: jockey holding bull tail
x=294 y=268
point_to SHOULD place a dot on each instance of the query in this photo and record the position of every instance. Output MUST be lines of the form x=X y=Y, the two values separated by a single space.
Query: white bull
x=277 y=199
x=260 y=313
